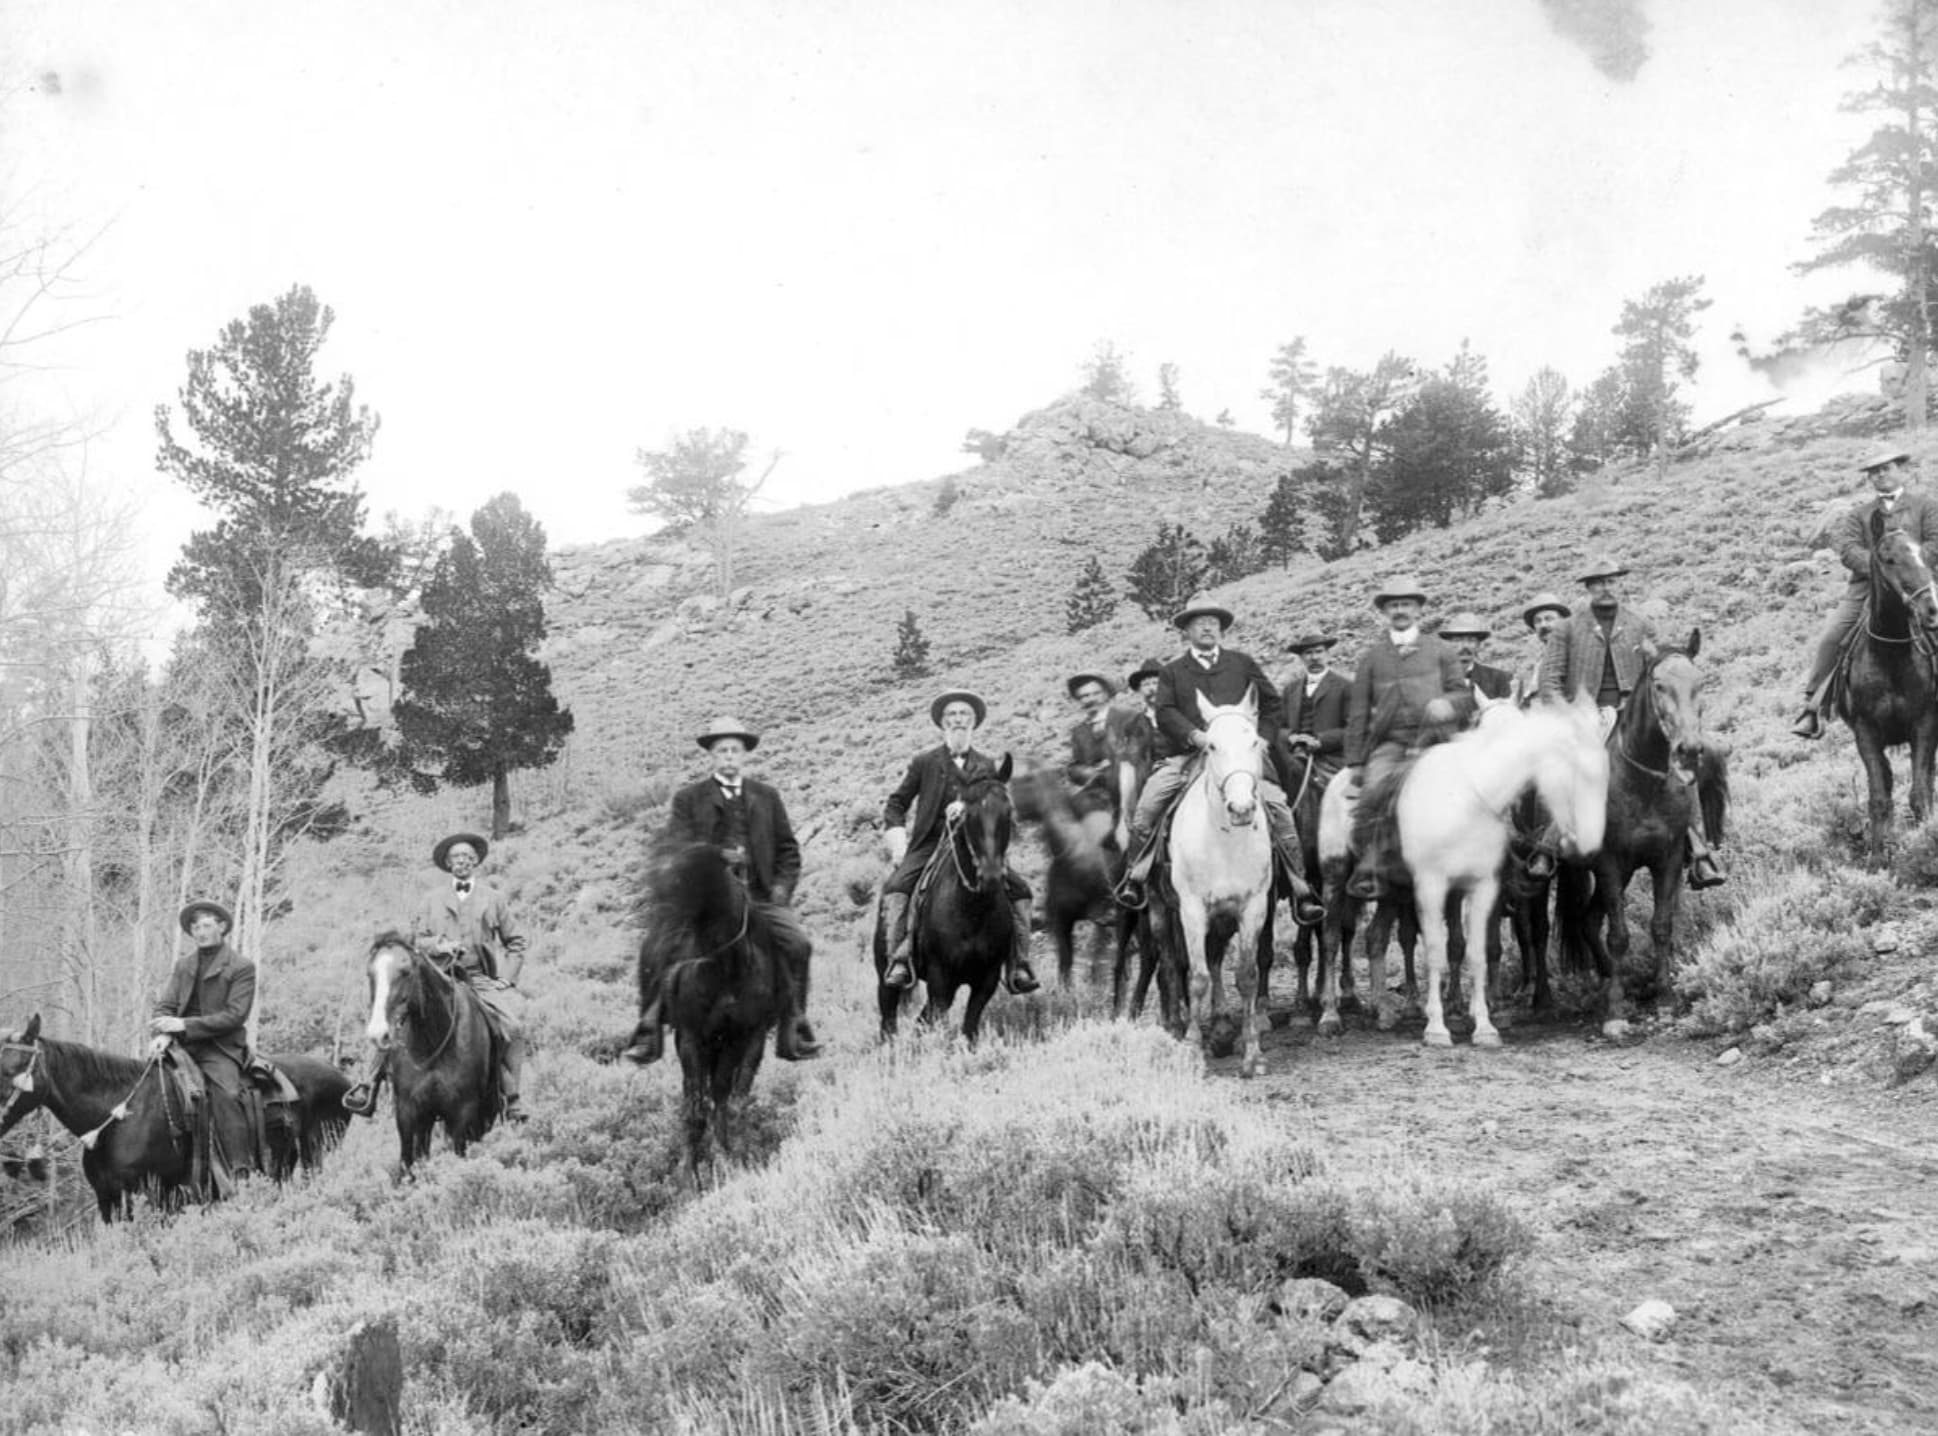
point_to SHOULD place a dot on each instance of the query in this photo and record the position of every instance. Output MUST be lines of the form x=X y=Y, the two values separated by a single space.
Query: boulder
x=1370 y=1320
x=1310 y=1299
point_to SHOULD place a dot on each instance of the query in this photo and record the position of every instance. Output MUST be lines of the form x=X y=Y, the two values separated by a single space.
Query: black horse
x=719 y=969
x=142 y=1144
x=444 y=1055
x=960 y=921
x=1662 y=777
x=1886 y=688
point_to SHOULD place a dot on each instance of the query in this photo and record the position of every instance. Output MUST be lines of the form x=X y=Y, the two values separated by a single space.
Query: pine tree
x=1542 y=415
x=1092 y=600
x=695 y=486
x=1106 y=375
x=1279 y=527
x=1352 y=429
x=1656 y=353
x=1167 y=388
x=1293 y=377
x=1450 y=450
x=477 y=704
x=911 y=659
x=1167 y=573
x=1236 y=554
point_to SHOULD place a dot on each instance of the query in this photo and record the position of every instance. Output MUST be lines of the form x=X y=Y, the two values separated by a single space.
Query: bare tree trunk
x=1919 y=348
x=500 y=801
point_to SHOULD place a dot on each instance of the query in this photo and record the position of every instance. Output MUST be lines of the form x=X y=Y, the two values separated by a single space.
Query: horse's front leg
x=1200 y=995
x=1924 y=758
x=1430 y=902
x=1667 y=885
x=1877 y=776
x=1606 y=934
x=1247 y=975
x=1335 y=946
x=1379 y=935
x=1480 y=920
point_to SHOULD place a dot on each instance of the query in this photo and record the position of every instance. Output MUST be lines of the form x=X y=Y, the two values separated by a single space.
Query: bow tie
x=1408 y=644
x=732 y=790
x=1205 y=659
x=463 y=885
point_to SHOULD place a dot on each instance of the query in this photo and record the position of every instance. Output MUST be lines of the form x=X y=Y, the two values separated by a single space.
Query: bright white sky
x=553 y=232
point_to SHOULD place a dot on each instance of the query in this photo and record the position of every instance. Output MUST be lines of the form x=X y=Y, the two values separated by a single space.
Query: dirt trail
x=1793 y=1226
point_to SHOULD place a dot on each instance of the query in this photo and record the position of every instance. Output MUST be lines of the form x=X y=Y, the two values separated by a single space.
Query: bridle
x=23 y=1080
x=1219 y=785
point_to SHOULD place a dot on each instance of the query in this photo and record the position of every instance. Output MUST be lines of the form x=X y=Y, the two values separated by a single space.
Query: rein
x=23 y=1083
x=418 y=960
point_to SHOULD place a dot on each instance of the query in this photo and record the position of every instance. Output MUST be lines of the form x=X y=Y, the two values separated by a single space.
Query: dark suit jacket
x=482 y=926
x=929 y=786
x=213 y=999
x=1492 y=682
x=1226 y=682
x=1324 y=717
x=699 y=815
x=1851 y=535
x=1577 y=650
x=1391 y=691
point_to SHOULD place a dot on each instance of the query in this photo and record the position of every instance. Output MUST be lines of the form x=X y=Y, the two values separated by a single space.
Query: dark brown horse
x=1887 y=687
x=724 y=988
x=962 y=927
x=443 y=1054
x=140 y=1143
x=1662 y=776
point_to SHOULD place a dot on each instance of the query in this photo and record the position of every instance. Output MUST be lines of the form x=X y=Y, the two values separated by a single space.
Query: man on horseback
x=1408 y=692
x=933 y=786
x=1543 y=614
x=747 y=821
x=205 y=1006
x=1887 y=470
x=1466 y=632
x=1221 y=676
x=1314 y=709
x=1089 y=772
x=469 y=920
x=1143 y=683
x=1601 y=653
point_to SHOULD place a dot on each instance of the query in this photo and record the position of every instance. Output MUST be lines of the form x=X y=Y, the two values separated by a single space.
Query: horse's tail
x=1571 y=894
x=1712 y=791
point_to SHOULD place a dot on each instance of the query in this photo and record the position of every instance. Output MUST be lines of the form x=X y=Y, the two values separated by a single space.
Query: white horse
x=1221 y=867
x=1455 y=813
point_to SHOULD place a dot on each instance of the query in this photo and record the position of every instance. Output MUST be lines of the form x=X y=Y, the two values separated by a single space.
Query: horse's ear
x=1205 y=706
x=1517 y=693
x=1004 y=768
x=32 y=1032
x=1251 y=704
x=1695 y=642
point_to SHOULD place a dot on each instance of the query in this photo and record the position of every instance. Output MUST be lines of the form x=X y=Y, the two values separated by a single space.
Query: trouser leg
x=1291 y=857
x=1018 y=975
x=361 y=1099
x=895 y=927
x=1159 y=789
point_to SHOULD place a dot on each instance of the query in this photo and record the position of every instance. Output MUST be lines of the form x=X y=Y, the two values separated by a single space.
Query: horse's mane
x=90 y=1065
x=694 y=894
x=391 y=937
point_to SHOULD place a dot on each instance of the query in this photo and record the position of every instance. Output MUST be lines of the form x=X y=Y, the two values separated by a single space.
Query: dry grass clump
x=950 y=1225
x=1783 y=938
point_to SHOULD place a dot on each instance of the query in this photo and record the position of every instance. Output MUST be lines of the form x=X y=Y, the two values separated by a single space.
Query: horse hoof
x=1615 y=1027
x=1387 y=1019
x=1442 y=1038
x=1330 y=1025
x=1486 y=1037
x=1254 y=1066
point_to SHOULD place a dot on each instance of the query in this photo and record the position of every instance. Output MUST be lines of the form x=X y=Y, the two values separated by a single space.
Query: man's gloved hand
x=1440 y=710
x=895 y=840
x=1303 y=740
x=954 y=811
x=158 y=1045
x=167 y=1026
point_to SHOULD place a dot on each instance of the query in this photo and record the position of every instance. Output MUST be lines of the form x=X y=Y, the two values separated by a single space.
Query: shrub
x=1431 y=1242
x=1781 y=942
x=1915 y=864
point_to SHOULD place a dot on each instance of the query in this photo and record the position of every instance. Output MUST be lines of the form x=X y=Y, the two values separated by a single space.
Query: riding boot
x=648 y=1042
x=901 y=941
x=793 y=1038
x=1130 y=892
x=1368 y=882
x=1809 y=724
x=1705 y=869
x=510 y=1077
x=1018 y=976
x=1307 y=910
x=361 y=1099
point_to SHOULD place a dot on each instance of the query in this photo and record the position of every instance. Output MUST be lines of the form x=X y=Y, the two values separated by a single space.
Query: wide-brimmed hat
x=1306 y=642
x=1601 y=567
x=1400 y=585
x=957 y=695
x=205 y=905
x=1542 y=601
x=725 y=727
x=1077 y=680
x=441 y=854
x=1465 y=624
x=1151 y=669
x=1878 y=458
x=1199 y=607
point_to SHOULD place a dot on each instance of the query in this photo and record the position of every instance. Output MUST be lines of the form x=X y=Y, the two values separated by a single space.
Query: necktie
x=463 y=886
x=732 y=791
x=1205 y=659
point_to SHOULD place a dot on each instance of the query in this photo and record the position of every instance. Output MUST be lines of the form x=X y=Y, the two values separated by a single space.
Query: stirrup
x=1706 y=872
x=1308 y=911
x=361 y=1099
x=907 y=971
x=1130 y=895
x=1365 y=886
x=1021 y=982
x=1540 y=865
x=1809 y=724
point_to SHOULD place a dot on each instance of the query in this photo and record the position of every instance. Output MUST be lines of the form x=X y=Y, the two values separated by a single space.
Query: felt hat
x=1465 y=624
x=1306 y=642
x=725 y=727
x=1199 y=607
x=1601 y=567
x=441 y=854
x=1150 y=669
x=957 y=695
x=1542 y=601
x=1878 y=458
x=1077 y=680
x=1400 y=585
x=204 y=905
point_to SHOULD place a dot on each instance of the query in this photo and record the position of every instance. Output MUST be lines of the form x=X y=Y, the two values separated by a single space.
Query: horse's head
x=391 y=969
x=1898 y=565
x=1234 y=756
x=1036 y=790
x=986 y=816
x=1670 y=695
x=20 y=1059
x=1570 y=770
